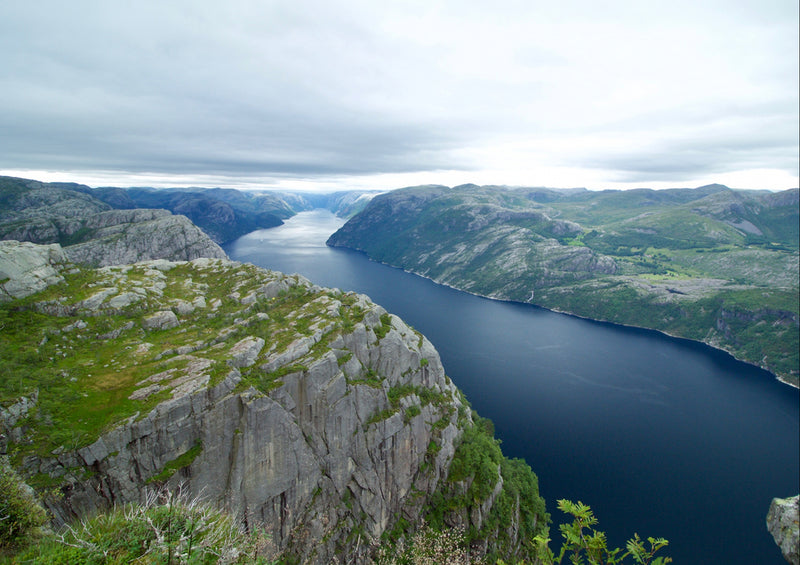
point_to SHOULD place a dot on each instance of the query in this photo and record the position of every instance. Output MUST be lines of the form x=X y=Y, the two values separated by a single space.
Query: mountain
x=223 y=214
x=711 y=264
x=226 y=214
x=306 y=411
x=90 y=230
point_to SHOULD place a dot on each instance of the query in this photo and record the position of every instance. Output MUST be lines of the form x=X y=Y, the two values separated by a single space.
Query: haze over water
x=660 y=436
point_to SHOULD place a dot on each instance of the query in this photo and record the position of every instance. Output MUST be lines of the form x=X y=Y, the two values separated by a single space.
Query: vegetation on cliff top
x=105 y=345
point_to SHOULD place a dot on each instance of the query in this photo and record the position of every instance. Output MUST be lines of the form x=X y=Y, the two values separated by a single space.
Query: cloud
x=626 y=91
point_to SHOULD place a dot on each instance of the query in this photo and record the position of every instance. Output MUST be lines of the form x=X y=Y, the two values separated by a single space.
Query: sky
x=340 y=94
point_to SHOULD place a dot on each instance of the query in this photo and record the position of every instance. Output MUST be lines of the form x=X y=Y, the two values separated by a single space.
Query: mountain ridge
x=709 y=264
x=91 y=231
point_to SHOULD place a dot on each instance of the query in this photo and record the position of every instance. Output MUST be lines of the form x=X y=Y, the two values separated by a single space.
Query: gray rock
x=161 y=237
x=317 y=452
x=782 y=523
x=26 y=268
x=124 y=299
x=92 y=233
x=183 y=307
x=162 y=320
x=287 y=460
x=245 y=352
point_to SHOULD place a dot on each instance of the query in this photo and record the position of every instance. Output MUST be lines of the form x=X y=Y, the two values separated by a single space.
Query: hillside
x=308 y=412
x=710 y=264
x=91 y=231
x=63 y=213
x=226 y=214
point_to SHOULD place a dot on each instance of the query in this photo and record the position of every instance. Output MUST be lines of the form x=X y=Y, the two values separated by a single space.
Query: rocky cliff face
x=91 y=232
x=121 y=237
x=305 y=410
x=782 y=523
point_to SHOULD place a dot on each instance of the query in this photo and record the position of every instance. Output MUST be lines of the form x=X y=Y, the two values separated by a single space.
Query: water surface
x=660 y=436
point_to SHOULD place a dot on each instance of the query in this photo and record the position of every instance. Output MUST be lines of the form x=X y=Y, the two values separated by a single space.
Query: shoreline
x=777 y=377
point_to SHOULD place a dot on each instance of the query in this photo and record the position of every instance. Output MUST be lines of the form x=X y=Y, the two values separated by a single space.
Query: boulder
x=245 y=352
x=26 y=268
x=163 y=320
x=782 y=523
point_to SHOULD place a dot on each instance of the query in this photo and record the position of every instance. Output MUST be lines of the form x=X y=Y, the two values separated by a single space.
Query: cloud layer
x=352 y=92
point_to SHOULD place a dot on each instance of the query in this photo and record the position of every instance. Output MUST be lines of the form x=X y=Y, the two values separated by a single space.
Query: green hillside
x=712 y=264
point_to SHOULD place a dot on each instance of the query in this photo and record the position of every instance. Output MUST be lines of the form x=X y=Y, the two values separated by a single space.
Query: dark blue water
x=660 y=436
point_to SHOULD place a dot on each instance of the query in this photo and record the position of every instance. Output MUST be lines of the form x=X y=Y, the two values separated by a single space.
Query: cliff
x=93 y=233
x=226 y=214
x=307 y=411
x=222 y=214
x=710 y=264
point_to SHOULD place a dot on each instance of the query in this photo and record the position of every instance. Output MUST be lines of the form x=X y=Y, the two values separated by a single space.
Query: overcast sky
x=379 y=94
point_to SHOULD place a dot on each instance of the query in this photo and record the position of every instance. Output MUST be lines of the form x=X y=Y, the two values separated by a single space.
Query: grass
x=165 y=528
x=84 y=383
x=180 y=462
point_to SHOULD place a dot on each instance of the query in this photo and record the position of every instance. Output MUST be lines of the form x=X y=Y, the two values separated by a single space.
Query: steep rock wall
x=321 y=433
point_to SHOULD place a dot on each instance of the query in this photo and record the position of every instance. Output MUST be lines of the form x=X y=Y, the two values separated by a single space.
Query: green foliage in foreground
x=429 y=546
x=20 y=514
x=583 y=544
x=164 y=529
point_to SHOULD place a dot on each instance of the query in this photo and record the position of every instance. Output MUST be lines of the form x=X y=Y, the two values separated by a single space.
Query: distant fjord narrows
x=710 y=264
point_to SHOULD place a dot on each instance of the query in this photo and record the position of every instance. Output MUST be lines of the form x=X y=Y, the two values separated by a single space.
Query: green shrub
x=20 y=513
x=582 y=541
x=411 y=412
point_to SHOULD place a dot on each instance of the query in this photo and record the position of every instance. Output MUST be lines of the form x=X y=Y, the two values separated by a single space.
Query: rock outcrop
x=26 y=268
x=128 y=236
x=307 y=411
x=90 y=231
x=784 y=525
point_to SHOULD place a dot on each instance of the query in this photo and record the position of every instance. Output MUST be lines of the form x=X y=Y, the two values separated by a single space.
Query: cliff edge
x=307 y=411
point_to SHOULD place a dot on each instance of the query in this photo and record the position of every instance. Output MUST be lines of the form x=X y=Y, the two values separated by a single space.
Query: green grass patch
x=411 y=412
x=369 y=378
x=180 y=462
x=165 y=529
x=380 y=416
x=383 y=329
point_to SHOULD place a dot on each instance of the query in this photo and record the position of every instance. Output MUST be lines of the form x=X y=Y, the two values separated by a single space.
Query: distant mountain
x=712 y=264
x=226 y=214
x=223 y=215
x=91 y=231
